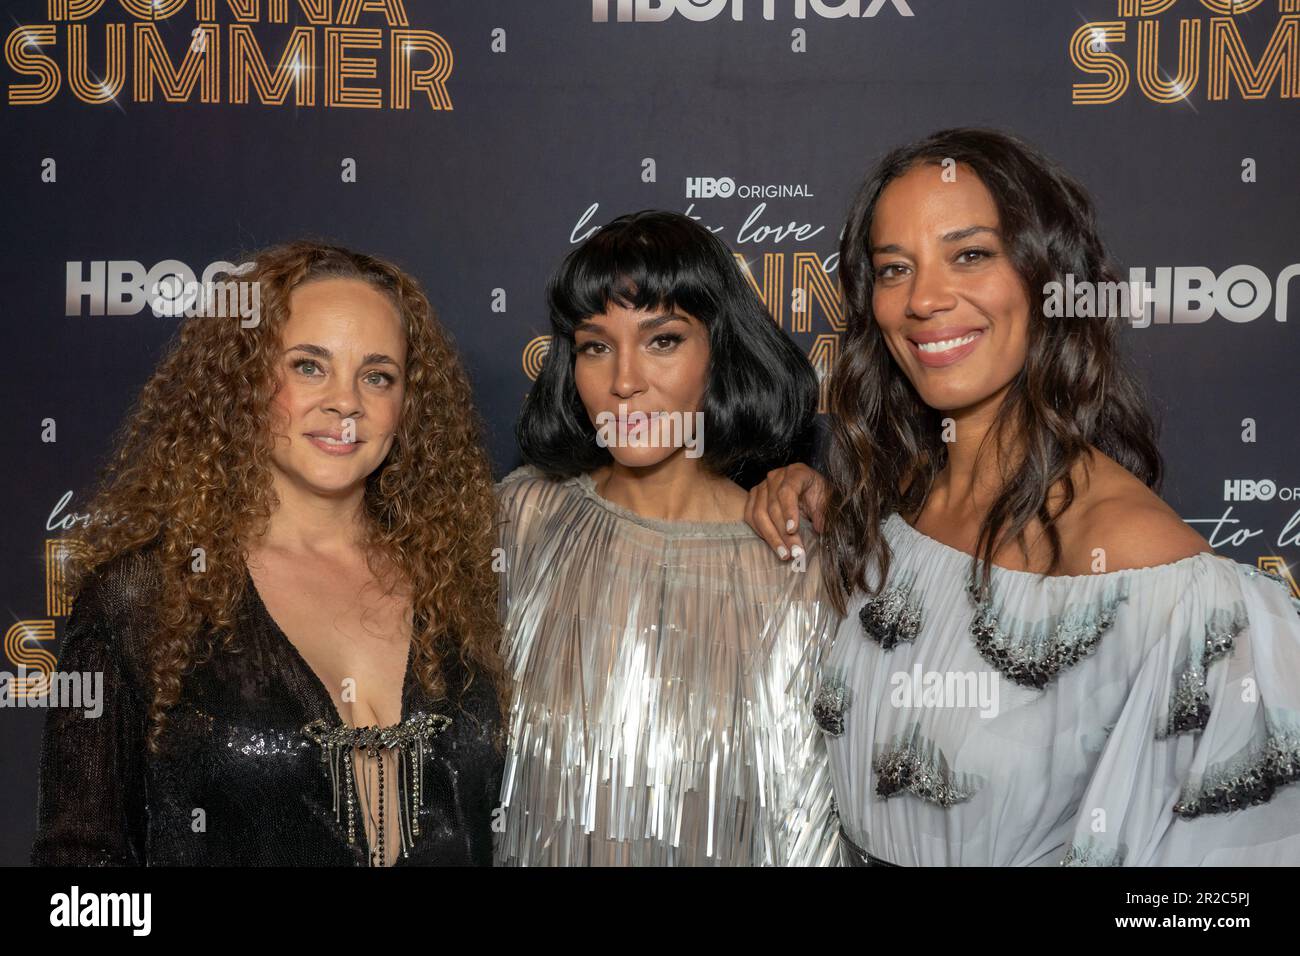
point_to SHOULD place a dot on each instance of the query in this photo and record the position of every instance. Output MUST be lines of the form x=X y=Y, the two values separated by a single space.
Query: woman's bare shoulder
x=1118 y=523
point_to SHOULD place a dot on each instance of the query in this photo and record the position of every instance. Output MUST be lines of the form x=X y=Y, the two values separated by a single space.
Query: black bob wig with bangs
x=761 y=399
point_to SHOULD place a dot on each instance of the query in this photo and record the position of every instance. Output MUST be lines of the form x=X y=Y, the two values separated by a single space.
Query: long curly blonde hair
x=191 y=468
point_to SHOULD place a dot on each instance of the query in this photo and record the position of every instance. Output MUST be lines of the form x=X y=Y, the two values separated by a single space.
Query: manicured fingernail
x=796 y=552
x=789 y=524
x=782 y=553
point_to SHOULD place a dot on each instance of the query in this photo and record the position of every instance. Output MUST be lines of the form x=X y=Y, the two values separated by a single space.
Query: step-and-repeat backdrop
x=476 y=141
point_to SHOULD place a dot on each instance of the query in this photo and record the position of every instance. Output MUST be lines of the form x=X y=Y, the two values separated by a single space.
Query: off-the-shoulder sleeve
x=91 y=802
x=1202 y=766
x=811 y=831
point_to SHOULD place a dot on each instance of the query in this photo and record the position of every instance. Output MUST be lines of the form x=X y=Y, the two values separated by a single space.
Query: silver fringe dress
x=663 y=681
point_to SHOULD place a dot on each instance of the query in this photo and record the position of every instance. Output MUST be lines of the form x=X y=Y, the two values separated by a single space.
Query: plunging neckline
x=324 y=694
x=321 y=690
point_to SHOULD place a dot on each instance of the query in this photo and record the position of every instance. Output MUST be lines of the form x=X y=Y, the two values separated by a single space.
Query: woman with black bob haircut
x=662 y=657
x=1099 y=687
x=760 y=402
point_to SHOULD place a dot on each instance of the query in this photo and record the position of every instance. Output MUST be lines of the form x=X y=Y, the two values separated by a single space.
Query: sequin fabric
x=1189 y=702
x=664 y=677
x=244 y=775
x=892 y=617
x=1035 y=656
x=917 y=766
x=831 y=702
x=1091 y=853
x=1249 y=779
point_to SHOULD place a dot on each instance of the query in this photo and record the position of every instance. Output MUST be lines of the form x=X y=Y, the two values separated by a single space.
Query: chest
x=353 y=638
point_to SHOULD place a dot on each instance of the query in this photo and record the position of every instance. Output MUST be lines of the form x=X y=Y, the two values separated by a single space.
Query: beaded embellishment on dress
x=1091 y=853
x=892 y=617
x=829 y=705
x=1246 y=780
x=1189 y=702
x=1035 y=659
x=917 y=766
x=410 y=739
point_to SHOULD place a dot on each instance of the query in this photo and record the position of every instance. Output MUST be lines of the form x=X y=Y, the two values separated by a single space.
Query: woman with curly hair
x=1040 y=662
x=287 y=585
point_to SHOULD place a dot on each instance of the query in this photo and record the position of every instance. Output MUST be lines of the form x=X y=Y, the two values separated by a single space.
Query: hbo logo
x=1244 y=489
x=706 y=187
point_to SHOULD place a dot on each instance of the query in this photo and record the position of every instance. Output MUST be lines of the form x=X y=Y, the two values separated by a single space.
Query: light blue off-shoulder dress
x=1139 y=717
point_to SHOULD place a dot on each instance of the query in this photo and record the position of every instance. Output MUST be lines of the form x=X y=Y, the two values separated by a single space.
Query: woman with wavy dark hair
x=662 y=657
x=287 y=585
x=1040 y=661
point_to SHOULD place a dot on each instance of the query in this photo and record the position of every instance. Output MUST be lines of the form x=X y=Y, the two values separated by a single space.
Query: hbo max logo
x=655 y=11
x=1247 y=489
x=706 y=187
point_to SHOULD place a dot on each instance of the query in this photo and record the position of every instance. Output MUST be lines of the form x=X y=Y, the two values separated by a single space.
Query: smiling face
x=633 y=361
x=342 y=375
x=953 y=310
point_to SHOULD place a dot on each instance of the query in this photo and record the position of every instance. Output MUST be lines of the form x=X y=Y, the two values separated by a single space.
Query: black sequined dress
x=254 y=768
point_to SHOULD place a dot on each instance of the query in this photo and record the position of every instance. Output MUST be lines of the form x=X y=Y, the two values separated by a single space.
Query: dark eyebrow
x=643 y=326
x=374 y=358
x=956 y=235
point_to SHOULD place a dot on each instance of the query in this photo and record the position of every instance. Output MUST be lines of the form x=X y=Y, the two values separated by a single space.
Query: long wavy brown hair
x=1074 y=390
x=191 y=467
